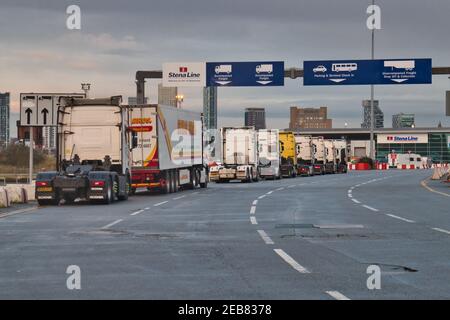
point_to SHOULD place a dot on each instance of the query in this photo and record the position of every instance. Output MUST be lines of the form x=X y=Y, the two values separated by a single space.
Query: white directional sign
x=41 y=109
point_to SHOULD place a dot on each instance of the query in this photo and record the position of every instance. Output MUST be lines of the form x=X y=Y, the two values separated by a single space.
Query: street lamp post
x=179 y=98
x=372 y=89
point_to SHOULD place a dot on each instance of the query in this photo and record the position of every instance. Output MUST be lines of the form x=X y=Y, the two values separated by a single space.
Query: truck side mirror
x=134 y=140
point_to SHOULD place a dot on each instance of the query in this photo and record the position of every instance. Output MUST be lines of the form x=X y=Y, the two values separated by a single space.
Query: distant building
x=210 y=107
x=133 y=100
x=310 y=118
x=378 y=115
x=255 y=117
x=167 y=95
x=49 y=138
x=4 y=118
x=403 y=120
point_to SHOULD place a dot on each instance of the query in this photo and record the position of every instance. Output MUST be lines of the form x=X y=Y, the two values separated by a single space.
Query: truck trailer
x=341 y=155
x=319 y=155
x=305 y=155
x=269 y=153
x=330 y=156
x=239 y=156
x=92 y=153
x=288 y=154
x=169 y=149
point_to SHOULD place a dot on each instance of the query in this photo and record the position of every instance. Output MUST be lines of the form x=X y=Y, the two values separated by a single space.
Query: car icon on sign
x=320 y=69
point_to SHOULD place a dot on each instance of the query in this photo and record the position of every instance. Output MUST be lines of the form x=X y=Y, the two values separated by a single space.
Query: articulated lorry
x=169 y=149
x=305 y=155
x=269 y=153
x=330 y=156
x=341 y=155
x=92 y=153
x=239 y=156
x=288 y=154
x=319 y=155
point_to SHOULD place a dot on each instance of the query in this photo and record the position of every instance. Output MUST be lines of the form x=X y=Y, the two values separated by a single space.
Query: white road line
x=255 y=202
x=137 y=212
x=355 y=201
x=279 y=189
x=294 y=264
x=350 y=195
x=441 y=230
x=400 y=218
x=265 y=237
x=253 y=220
x=292 y=186
x=111 y=224
x=370 y=208
x=261 y=197
x=178 y=198
x=159 y=204
x=253 y=210
x=270 y=192
x=337 y=295
x=146 y=208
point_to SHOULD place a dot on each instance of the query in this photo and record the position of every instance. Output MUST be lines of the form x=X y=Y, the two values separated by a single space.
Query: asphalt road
x=303 y=238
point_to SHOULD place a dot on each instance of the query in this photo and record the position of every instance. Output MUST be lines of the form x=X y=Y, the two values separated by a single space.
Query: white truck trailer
x=330 y=156
x=269 y=153
x=240 y=156
x=319 y=155
x=169 y=149
x=305 y=155
x=92 y=153
x=341 y=155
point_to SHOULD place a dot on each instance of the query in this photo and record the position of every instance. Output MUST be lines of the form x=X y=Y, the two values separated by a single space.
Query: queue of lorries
x=249 y=155
x=107 y=150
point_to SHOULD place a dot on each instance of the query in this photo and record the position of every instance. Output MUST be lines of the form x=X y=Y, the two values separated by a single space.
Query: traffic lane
x=393 y=243
x=186 y=249
x=405 y=197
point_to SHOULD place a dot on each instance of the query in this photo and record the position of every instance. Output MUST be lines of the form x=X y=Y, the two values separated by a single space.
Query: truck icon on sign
x=265 y=68
x=223 y=68
x=400 y=64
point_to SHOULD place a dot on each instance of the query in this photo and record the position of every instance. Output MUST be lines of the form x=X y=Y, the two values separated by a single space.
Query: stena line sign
x=402 y=138
x=184 y=74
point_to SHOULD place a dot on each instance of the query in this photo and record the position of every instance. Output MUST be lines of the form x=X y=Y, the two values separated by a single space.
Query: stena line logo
x=402 y=138
x=184 y=73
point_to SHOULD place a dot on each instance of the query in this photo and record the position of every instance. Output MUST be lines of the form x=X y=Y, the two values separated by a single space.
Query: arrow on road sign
x=223 y=82
x=337 y=80
x=264 y=82
x=28 y=112
x=44 y=115
x=399 y=80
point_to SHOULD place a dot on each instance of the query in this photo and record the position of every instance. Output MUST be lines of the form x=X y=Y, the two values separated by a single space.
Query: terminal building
x=433 y=143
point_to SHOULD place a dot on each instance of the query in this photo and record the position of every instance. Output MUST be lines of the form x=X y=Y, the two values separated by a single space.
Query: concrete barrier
x=4 y=198
x=17 y=194
x=29 y=189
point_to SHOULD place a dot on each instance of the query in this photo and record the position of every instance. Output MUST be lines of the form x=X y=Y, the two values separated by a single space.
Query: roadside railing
x=16 y=178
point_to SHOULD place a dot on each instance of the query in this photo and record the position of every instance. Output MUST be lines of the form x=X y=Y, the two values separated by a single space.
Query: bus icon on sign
x=340 y=67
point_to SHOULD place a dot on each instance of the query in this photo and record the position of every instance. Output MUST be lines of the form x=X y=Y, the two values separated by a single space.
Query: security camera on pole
x=373 y=22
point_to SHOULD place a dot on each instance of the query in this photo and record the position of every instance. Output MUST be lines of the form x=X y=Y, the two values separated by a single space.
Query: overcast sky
x=39 y=54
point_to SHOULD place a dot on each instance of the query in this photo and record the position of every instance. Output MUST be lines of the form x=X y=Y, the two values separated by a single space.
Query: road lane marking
x=255 y=202
x=270 y=192
x=425 y=185
x=253 y=210
x=279 y=189
x=159 y=204
x=178 y=198
x=7 y=214
x=355 y=201
x=370 y=208
x=350 y=195
x=399 y=218
x=261 y=197
x=111 y=224
x=441 y=230
x=337 y=295
x=265 y=237
x=294 y=264
x=291 y=186
x=253 y=220
x=137 y=212
x=147 y=208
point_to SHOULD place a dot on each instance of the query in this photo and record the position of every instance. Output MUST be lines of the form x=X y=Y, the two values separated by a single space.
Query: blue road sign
x=245 y=74
x=358 y=72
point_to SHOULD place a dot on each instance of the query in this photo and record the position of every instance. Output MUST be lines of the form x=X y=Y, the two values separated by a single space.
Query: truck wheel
x=109 y=193
x=176 y=184
x=166 y=188
x=132 y=191
x=126 y=191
